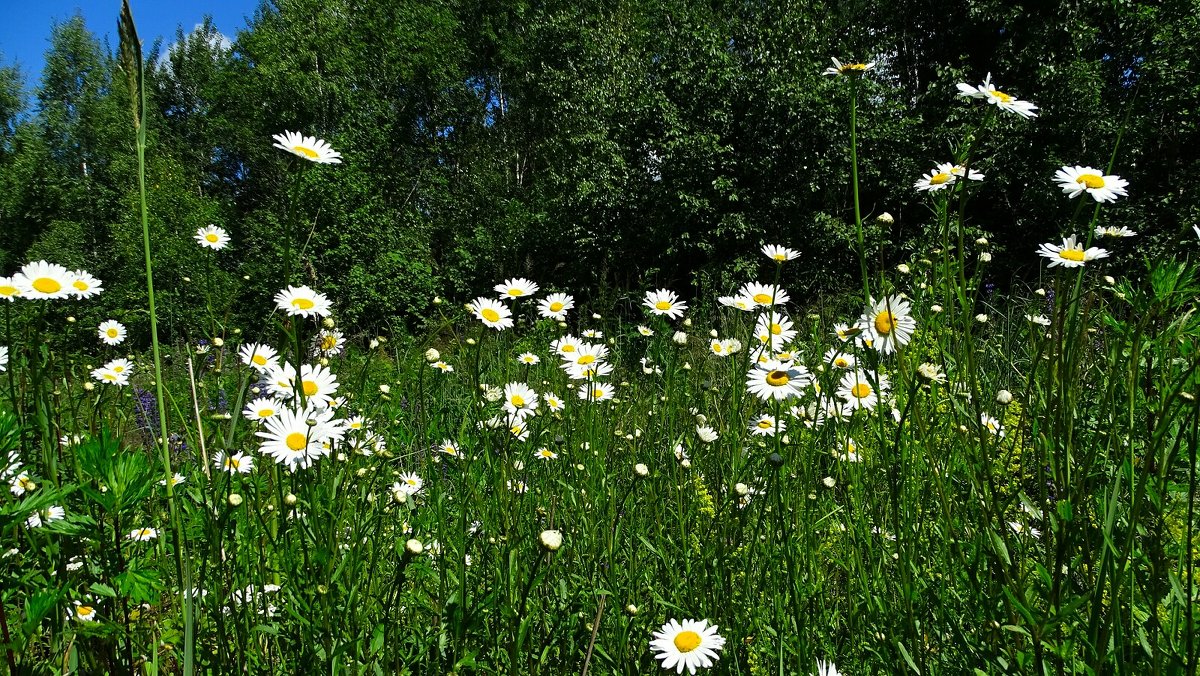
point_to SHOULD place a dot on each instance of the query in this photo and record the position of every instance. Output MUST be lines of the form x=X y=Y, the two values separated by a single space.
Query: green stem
x=862 y=252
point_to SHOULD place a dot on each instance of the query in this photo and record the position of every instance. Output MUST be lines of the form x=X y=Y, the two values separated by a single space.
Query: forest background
x=597 y=147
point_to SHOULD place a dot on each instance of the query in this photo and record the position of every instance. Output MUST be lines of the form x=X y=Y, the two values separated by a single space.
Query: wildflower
x=46 y=515
x=641 y=470
x=885 y=218
x=687 y=645
x=680 y=338
x=555 y=306
x=596 y=391
x=238 y=463
x=774 y=380
x=931 y=372
x=982 y=318
x=234 y=500
x=175 y=480
x=888 y=323
x=1077 y=180
x=519 y=400
x=551 y=540
x=858 y=391
x=309 y=147
x=413 y=547
x=664 y=302
x=764 y=295
x=142 y=534
x=588 y=371
x=1041 y=320
x=329 y=343
x=847 y=452
x=529 y=359
x=83 y=285
x=645 y=330
x=844 y=332
x=212 y=237
x=442 y=366
x=302 y=301
x=1115 y=233
x=838 y=359
x=44 y=281
x=553 y=402
x=775 y=330
x=544 y=453
x=566 y=346
x=317 y=383
x=959 y=171
x=827 y=669
x=260 y=409
x=83 y=612
x=112 y=332
x=742 y=303
x=840 y=68
x=991 y=425
x=706 y=434
x=779 y=254
x=491 y=313
x=517 y=287
x=767 y=425
x=517 y=487
x=9 y=290
x=1071 y=254
x=21 y=484
x=262 y=358
x=409 y=483
x=935 y=180
x=291 y=440
x=732 y=345
x=109 y=376
x=1003 y=101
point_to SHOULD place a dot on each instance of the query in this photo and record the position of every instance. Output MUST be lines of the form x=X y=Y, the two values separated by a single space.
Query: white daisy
x=110 y=377
x=779 y=254
x=83 y=611
x=309 y=147
x=838 y=359
x=706 y=433
x=935 y=180
x=520 y=400
x=840 y=68
x=448 y=447
x=888 y=323
x=545 y=454
x=860 y=391
x=991 y=425
x=492 y=313
x=302 y=301
x=743 y=303
x=566 y=346
x=555 y=306
x=44 y=281
x=261 y=409
x=3 y=359
x=767 y=425
x=262 y=358
x=774 y=330
x=9 y=289
x=291 y=440
x=529 y=359
x=596 y=391
x=238 y=463
x=1077 y=180
x=84 y=285
x=329 y=342
x=142 y=534
x=517 y=287
x=665 y=302
x=442 y=366
x=212 y=237
x=1115 y=233
x=553 y=402
x=690 y=644
x=1071 y=254
x=46 y=515
x=1001 y=100
x=112 y=332
x=764 y=295
x=778 y=381
x=409 y=484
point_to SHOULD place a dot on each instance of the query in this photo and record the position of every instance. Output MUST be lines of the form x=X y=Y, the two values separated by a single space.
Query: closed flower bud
x=551 y=540
x=289 y=499
x=680 y=338
x=413 y=547
x=885 y=218
x=432 y=355
x=1004 y=397
x=641 y=469
x=218 y=342
x=235 y=500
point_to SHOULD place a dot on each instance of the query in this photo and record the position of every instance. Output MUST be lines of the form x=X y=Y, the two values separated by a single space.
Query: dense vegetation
x=746 y=383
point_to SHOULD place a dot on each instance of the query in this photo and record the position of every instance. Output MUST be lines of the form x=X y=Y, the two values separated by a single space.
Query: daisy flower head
x=302 y=301
x=766 y=425
x=959 y=171
x=409 y=484
x=838 y=359
x=1115 y=233
x=935 y=180
x=645 y=331
x=442 y=366
x=585 y=354
x=779 y=254
x=706 y=433
x=553 y=402
x=544 y=453
x=596 y=391
x=212 y=237
x=993 y=426
x=555 y=306
x=238 y=463
x=764 y=295
x=774 y=380
x=529 y=359
x=690 y=644
x=566 y=346
x=9 y=290
x=109 y=377
x=45 y=281
x=743 y=303
x=589 y=371
x=847 y=452
x=261 y=409
x=859 y=391
x=664 y=302
x=888 y=323
x=329 y=342
x=775 y=330
x=175 y=480
x=142 y=534
x=120 y=365
x=84 y=285
x=112 y=332
x=1077 y=180
x=520 y=400
x=261 y=358
x=46 y=515
x=593 y=333
x=845 y=332
x=848 y=68
x=290 y=440
x=1006 y=102
x=517 y=287
x=1071 y=254
x=21 y=484
x=827 y=669
x=718 y=347
x=317 y=382
x=83 y=611
x=492 y=313
x=448 y=447
x=310 y=148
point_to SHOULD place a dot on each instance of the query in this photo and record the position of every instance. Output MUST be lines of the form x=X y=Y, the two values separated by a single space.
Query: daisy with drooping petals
x=1077 y=180
x=442 y=366
x=121 y=365
x=238 y=463
x=517 y=287
x=555 y=306
x=774 y=380
x=261 y=409
x=261 y=358
x=309 y=147
x=847 y=452
x=302 y=301
x=1071 y=254
x=690 y=644
x=888 y=323
x=9 y=290
x=1001 y=100
x=738 y=302
x=959 y=171
x=142 y=534
x=212 y=237
x=665 y=302
x=46 y=515
x=492 y=313
x=1115 y=233
x=840 y=68
x=779 y=254
x=858 y=391
x=706 y=433
x=764 y=295
x=112 y=332
x=84 y=285
x=448 y=447
x=44 y=281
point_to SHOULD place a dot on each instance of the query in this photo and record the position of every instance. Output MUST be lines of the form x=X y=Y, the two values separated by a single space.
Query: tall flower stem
x=858 y=227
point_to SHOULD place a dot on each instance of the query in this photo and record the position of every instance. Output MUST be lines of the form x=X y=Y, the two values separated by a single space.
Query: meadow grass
x=926 y=479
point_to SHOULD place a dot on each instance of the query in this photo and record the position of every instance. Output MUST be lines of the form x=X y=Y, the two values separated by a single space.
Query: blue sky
x=25 y=28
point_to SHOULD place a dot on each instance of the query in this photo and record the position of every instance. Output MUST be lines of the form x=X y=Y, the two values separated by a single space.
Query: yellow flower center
x=211 y=237
x=110 y=377
x=861 y=391
x=776 y=329
x=777 y=378
x=939 y=178
x=716 y=348
x=780 y=257
x=556 y=306
x=112 y=333
x=411 y=482
x=663 y=305
x=586 y=359
x=118 y=368
x=514 y=291
x=765 y=424
x=303 y=303
x=841 y=362
x=306 y=151
x=490 y=315
x=884 y=321
x=83 y=611
x=266 y=412
x=1004 y=98
x=8 y=290
x=310 y=387
x=568 y=348
x=1091 y=181
x=518 y=400
x=328 y=342
x=80 y=284
x=259 y=360
x=545 y=453
x=296 y=441
x=47 y=285
x=597 y=393
x=687 y=641
x=854 y=66
x=762 y=298
x=234 y=462
x=1072 y=255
